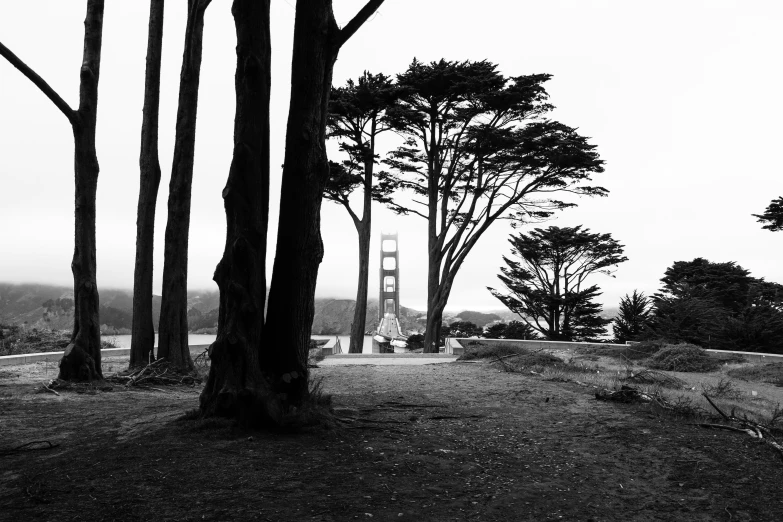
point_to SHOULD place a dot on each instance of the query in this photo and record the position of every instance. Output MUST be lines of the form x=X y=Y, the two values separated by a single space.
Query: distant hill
x=49 y=306
x=478 y=318
x=335 y=316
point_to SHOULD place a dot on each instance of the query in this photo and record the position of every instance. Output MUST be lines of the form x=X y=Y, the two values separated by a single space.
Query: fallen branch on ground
x=47 y=388
x=654 y=377
x=157 y=373
x=629 y=395
x=752 y=428
x=29 y=446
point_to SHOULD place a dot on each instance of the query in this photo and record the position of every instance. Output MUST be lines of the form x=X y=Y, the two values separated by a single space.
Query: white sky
x=682 y=98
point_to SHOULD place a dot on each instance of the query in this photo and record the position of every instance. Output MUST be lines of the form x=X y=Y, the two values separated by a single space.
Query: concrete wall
x=332 y=347
x=30 y=358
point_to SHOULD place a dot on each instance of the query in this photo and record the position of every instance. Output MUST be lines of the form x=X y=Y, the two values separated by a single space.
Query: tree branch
x=39 y=82
x=362 y=16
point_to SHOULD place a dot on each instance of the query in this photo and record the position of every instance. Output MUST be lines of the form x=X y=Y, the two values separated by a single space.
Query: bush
x=632 y=352
x=683 y=358
x=19 y=340
x=643 y=350
x=478 y=350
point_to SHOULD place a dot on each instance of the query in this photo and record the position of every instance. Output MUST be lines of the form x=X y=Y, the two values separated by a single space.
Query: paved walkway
x=387 y=359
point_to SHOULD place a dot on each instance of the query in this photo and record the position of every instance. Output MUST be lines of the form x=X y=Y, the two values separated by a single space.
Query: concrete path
x=390 y=359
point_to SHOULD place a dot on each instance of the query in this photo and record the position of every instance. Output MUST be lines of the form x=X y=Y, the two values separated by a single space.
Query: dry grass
x=679 y=390
x=770 y=373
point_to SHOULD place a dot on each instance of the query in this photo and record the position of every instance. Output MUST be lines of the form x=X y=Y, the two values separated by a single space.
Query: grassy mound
x=478 y=350
x=683 y=358
x=632 y=352
x=771 y=373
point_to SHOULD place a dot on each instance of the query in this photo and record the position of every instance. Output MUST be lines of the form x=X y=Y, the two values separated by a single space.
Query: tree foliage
x=632 y=318
x=464 y=329
x=510 y=330
x=546 y=283
x=478 y=147
x=720 y=306
x=772 y=216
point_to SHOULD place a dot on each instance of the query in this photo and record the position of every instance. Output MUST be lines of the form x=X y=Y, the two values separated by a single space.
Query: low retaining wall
x=454 y=346
x=332 y=347
x=29 y=358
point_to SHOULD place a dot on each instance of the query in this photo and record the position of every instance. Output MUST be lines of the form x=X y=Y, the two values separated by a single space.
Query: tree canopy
x=546 y=282
x=478 y=147
x=718 y=305
x=510 y=330
x=633 y=317
x=772 y=216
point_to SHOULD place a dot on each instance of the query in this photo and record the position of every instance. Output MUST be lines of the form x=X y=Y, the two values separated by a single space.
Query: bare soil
x=457 y=441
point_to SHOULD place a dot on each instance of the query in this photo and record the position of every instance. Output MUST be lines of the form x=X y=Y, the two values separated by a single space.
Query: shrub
x=633 y=352
x=683 y=358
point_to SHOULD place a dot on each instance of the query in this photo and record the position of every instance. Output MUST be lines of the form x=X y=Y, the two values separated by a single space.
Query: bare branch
x=362 y=16
x=40 y=83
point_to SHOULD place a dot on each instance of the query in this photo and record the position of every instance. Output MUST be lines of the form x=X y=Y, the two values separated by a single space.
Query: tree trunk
x=82 y=358
x=237 y=387
x=434 y=319
x=360 y=312
x=306 y=169
x=142 y=330
x=173 y=327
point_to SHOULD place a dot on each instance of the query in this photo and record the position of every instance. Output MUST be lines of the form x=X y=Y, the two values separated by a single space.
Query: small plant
x=723 y=389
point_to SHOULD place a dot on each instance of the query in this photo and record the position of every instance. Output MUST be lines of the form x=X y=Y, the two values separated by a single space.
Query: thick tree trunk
x=237 y=387
x=173 y=327
x=306 y=169
x=142 y=330
x=360 y=312
x=434 y=319
x=434 y=325
x=82 y=358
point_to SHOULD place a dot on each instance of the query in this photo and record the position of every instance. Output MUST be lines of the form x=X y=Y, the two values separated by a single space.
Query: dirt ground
x=441 y=442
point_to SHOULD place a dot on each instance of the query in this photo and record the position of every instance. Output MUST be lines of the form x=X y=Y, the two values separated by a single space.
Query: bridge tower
x=389 y=295
x=389 y=334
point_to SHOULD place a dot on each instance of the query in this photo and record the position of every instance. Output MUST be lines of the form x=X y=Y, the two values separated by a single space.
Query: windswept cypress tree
x=357 y=116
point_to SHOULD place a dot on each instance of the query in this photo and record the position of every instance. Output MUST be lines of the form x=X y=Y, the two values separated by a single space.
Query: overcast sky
x=682 y=98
